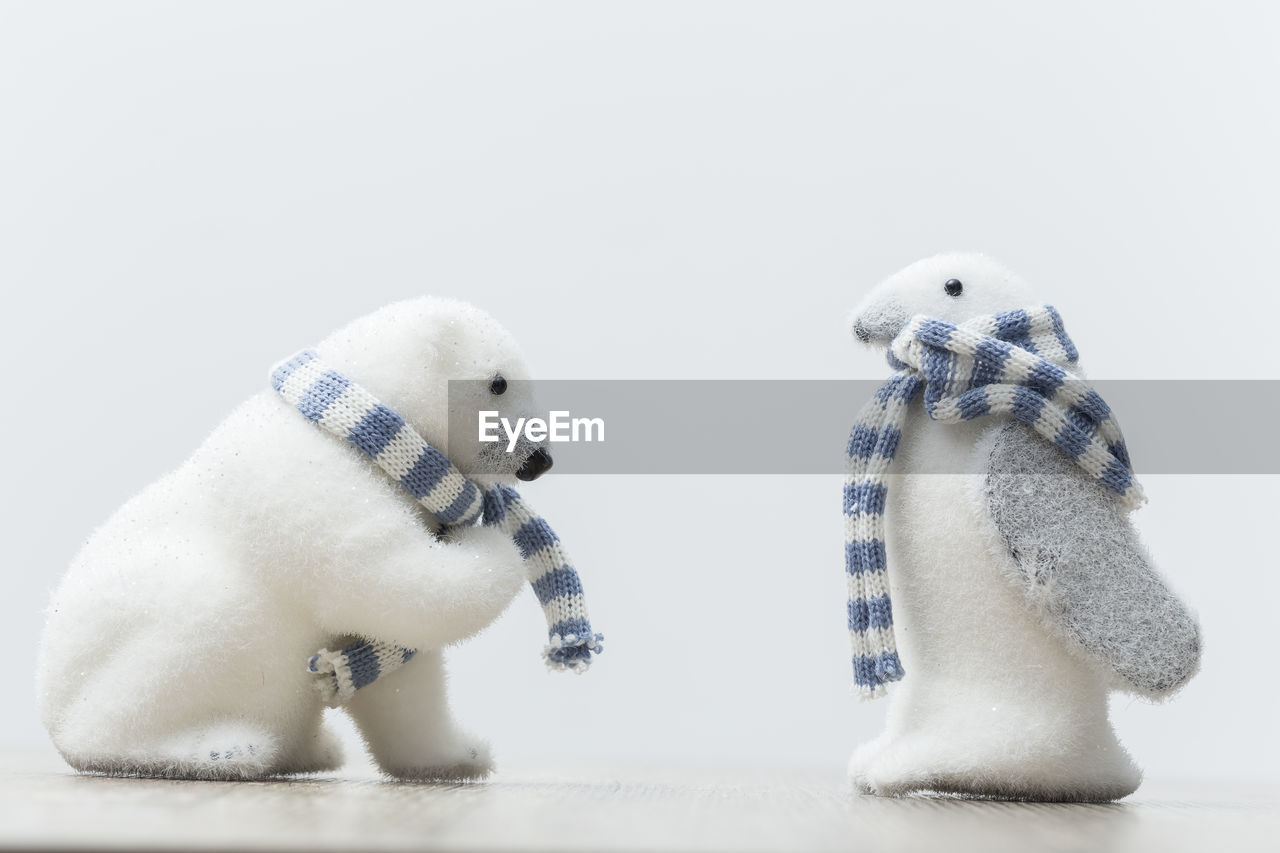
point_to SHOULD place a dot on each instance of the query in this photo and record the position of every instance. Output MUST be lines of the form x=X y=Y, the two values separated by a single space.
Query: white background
x=189 y=192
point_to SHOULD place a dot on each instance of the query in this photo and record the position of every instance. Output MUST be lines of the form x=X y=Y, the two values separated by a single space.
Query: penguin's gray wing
x=1081 y=565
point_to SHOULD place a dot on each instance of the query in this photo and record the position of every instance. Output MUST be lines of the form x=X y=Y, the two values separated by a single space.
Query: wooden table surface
x=604 y=807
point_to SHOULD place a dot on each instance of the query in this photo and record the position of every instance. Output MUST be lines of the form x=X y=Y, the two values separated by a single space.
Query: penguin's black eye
x=953 y=287
x=498 y=386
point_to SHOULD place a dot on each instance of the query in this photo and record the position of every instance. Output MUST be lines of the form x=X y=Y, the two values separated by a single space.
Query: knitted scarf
x=343 y=408
x=1004 y=364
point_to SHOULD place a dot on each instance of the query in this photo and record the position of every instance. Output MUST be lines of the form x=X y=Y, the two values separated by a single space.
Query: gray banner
x=801 y=426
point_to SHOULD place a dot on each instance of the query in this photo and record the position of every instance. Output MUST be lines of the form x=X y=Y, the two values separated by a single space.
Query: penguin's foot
x=921 y=763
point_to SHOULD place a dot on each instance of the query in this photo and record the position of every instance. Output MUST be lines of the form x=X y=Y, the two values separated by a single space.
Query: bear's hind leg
x=406 y=722
x=226 y=751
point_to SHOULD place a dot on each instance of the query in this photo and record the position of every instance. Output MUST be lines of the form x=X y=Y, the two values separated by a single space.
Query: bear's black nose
x=538 y=463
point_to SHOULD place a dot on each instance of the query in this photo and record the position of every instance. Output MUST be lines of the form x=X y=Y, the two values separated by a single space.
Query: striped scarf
x=341 y=407
x=1002 y=364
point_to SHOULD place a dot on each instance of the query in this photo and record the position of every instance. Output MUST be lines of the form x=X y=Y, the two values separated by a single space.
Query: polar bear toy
x=177 y=643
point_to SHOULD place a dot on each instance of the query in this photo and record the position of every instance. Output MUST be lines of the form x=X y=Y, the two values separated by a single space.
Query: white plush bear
x=177 y=643
x=1021 y=594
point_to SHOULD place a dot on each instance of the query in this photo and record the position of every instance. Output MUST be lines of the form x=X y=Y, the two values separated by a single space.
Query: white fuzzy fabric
x=997 y=701
x=176 y=643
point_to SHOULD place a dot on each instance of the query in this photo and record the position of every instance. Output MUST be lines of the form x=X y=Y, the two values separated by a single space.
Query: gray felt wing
x=1080 y=563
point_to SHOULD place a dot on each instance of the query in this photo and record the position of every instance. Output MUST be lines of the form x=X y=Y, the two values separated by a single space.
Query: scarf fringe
x=572 y=652
x=339 y=674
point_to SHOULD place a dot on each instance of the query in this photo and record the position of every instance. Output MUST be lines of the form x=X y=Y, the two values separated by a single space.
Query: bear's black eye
x=498 y=386
x=953 y=287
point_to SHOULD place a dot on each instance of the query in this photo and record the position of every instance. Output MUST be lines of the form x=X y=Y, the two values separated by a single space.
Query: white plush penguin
x=1020 y=592
x=178 y=642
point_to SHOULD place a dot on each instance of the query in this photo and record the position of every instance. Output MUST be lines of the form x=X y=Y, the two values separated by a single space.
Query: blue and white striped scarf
x=341 y=407
x=1003 y=364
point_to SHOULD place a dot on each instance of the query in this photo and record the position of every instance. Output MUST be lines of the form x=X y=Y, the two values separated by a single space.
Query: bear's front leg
x=413 y=590
x=406 y=721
